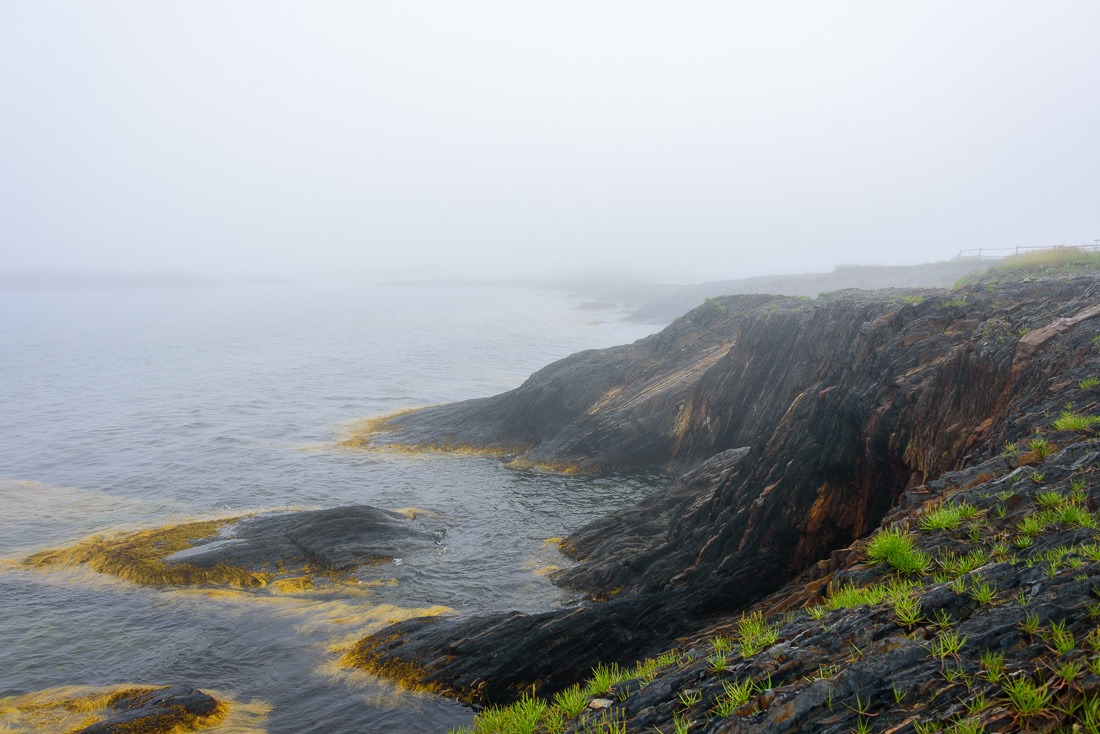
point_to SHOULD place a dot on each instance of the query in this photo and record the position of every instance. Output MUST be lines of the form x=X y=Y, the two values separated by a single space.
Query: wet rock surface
x=174 y=708
x=727 y=374
x=251 y=551
x=336 y=539
x=851 y=406
x=1008 y=604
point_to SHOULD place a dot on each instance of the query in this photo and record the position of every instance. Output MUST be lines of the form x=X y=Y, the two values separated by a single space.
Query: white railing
x=998 y=253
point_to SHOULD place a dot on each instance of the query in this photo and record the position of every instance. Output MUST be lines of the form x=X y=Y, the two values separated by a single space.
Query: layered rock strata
x=801 y=423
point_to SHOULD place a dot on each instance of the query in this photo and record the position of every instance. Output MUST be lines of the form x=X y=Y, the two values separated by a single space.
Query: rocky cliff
x=796 y=425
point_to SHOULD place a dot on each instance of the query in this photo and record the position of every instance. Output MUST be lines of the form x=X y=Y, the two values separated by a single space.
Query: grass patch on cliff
x=522 y=717
x=754 y=634
x=571 y=701
x=533 y=715
x=604 y=678
x=1070 y=421
x=849 y=595
x=139 y=557
x=956 y=566
x=735 y=694
x=1059 y=259
x=898 y=549
x=947 y=517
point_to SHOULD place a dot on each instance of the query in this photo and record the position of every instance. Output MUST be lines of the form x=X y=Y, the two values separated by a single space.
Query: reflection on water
x=128 y=410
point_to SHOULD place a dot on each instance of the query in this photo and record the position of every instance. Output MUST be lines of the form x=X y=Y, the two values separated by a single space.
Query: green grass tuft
x=604 y=678
x=1075 y=516
x=755 y=634
x=983 y=592
x=993 y=665
x=898 y=549
x=522 y=717
x=947 y=517
x=1026 y=698
x=850 y=595
x=1041 y=447
x=571 y=700
x=947 y=644
x=735 y=694
x=955 y=566
x=1070 y=421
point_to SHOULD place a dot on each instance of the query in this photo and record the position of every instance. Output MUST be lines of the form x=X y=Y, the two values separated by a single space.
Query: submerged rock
x=337 y=539
x=251 y=551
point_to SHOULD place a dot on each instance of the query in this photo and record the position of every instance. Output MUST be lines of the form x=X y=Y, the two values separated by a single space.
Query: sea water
x=138 y=408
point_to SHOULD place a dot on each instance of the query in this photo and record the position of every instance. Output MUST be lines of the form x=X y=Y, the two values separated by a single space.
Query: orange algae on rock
x=363 y=435
x=567 y=468
x=74 y=709
x=366 y=656
x=457 y=449
x=415 y=512
x=139 y=557
x=360 y=433
x=293 y=585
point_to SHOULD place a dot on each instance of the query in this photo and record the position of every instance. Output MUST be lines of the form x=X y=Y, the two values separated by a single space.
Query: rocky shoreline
x=803 y=425
x=879 y=517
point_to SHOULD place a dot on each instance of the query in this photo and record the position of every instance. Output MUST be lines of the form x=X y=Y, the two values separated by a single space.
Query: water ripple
x=126 y=410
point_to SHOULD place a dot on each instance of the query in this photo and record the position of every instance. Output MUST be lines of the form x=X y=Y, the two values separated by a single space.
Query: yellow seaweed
x=69 y=708
x=139 y=557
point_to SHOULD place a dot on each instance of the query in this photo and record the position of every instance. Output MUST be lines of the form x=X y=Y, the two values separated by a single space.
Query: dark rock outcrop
x=845 y=402
x=251 y=551
x=336 y=539
x=174 y=708
x=1008 y=602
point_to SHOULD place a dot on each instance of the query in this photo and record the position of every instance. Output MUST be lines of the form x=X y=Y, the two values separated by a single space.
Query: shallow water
x=131 y=409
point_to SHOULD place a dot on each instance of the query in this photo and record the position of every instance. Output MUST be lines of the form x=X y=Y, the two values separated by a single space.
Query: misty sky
x=689 y=140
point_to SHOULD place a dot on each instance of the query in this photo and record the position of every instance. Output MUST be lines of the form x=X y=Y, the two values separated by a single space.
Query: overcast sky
x=685 y=139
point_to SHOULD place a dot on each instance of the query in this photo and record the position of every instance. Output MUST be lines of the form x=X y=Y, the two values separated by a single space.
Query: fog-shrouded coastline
x=63 y=280
x=653 y=301
x=342 y=507
x=129 y=409
x=922 y=462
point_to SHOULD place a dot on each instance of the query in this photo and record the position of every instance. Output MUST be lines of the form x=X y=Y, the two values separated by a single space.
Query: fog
x=683 y=141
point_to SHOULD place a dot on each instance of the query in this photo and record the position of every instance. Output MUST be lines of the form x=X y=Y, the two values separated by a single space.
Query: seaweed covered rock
x=124 y=709
x=174 y=708
x=250 y=551
x=336 y=539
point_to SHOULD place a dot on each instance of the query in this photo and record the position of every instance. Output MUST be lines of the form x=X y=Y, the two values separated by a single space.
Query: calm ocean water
x=126 y=409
